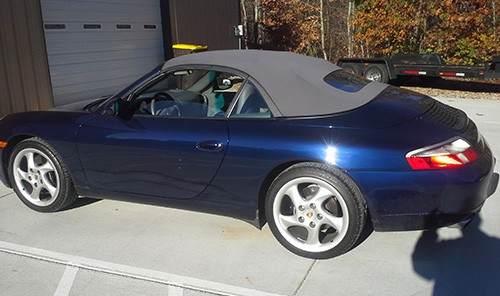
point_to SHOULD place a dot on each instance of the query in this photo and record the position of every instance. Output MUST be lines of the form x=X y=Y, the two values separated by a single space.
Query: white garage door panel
x=73 y=75
x=97 y=56
x=98 y=88
x=99 y=10
x=73 y=45
x=90 y=62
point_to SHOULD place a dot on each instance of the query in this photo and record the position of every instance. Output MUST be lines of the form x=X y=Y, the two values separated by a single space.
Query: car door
x=171 y=147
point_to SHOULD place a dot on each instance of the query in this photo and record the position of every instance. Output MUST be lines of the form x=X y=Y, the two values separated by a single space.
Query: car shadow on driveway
x=469 y=265
x=81 y=202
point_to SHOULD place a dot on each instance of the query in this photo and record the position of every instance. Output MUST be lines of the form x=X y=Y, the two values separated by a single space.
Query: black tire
x=39 y=177
x=353 y=68
x=315 y=211
x=377 y=72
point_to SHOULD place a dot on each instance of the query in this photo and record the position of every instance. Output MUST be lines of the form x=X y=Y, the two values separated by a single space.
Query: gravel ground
x=456 y=88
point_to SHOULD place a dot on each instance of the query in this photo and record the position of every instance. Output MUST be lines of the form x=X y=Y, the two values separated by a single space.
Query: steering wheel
x=169 y=108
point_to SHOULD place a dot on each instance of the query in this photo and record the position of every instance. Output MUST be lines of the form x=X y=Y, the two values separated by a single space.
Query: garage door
x=96 y=47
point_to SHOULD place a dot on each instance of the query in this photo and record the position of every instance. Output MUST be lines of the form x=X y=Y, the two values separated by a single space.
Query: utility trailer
x=416 y=65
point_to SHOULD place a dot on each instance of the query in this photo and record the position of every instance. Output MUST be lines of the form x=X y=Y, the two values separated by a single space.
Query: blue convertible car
x=272 y=137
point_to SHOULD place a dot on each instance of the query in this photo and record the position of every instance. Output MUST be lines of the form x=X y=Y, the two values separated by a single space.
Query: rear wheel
x=39 y=177
x=315 y=211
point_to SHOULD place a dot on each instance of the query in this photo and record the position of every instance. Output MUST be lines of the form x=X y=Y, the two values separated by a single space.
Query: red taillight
x=452 y=154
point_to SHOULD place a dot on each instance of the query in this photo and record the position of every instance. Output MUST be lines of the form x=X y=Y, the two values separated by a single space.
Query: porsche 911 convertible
x=275 y=137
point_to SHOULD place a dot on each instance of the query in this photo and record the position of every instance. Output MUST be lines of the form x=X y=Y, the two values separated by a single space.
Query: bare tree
x=245 y=23
x=334 y=26
x=322 y=30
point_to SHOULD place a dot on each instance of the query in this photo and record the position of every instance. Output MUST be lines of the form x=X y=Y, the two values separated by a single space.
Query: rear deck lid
x=393 y=106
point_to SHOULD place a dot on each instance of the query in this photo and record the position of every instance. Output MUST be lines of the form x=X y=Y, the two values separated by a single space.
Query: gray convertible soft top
x=294 y=82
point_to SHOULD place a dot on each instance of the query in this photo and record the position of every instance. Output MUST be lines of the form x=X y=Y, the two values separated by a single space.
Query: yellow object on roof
x=191 y=47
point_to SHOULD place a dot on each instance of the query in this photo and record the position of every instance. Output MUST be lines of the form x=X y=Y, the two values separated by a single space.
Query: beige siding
x=24 y=73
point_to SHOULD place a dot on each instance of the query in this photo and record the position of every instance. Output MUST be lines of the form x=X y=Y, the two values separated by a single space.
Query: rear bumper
x=415 y=200
x=437 y=219
x=423 y=221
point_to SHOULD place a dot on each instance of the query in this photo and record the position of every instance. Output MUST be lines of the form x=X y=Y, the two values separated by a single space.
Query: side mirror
x=123 y=109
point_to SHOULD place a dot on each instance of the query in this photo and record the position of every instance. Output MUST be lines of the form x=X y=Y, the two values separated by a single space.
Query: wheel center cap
x=310 y=215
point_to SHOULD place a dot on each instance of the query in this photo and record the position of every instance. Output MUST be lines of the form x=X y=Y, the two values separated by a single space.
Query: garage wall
x=97 y=47
x=24 y=76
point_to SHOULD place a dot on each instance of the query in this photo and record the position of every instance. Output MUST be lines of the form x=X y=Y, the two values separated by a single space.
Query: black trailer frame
x=416 y=65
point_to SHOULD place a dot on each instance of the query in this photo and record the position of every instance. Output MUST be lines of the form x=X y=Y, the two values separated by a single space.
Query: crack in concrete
x=304 y=279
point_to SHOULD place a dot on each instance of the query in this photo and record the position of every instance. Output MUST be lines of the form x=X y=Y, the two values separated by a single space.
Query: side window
x=188 y=93
x=250 y=104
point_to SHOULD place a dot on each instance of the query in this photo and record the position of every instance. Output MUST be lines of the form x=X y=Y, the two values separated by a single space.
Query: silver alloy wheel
x=36 y=177
x=311 y=214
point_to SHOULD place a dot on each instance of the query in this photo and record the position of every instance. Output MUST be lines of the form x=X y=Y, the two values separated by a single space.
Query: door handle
x=209 y=146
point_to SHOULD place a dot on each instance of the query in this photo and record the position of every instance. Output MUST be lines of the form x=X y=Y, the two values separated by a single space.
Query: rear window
x=346 y=81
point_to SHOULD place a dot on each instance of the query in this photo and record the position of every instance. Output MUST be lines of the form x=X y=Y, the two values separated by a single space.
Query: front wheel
x=39 y=177
x=315 y=211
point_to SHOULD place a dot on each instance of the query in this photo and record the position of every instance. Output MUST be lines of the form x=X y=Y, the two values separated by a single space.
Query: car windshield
x=94 y=105
x=139 y=81
x=124 y=92
x=346 y=81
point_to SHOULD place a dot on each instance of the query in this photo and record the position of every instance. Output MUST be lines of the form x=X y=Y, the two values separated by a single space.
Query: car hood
x=81 y=106
x=394 y=106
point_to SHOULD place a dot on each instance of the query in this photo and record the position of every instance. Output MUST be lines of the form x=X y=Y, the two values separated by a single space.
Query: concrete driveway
x=102 y=247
